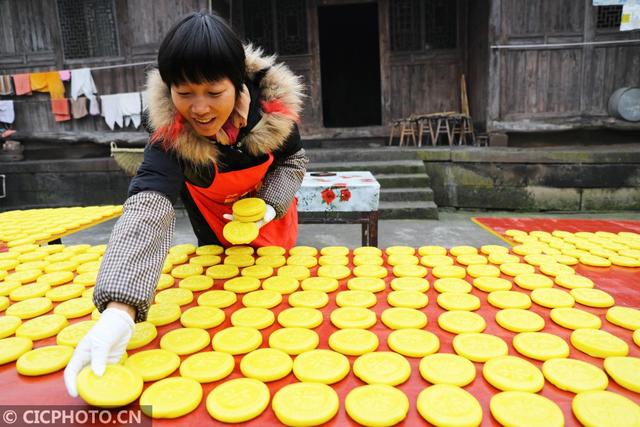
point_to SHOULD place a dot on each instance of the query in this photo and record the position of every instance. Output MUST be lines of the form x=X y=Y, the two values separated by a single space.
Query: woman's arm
x=136 y=251
x=142 y=237
x=285 y=175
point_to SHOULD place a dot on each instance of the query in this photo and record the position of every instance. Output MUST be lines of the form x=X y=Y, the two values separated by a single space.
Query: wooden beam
x=495 y=58
x=385 y=66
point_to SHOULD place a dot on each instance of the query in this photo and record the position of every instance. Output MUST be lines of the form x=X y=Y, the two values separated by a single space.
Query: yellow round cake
x=447 y=368
x=605 y=408
x=171 y=397
x=540 y=345
x=413 y=342
x=479 y=347
x=305 y=404
x=598 y=343
x=511 y=373
x=321 y=366
x=519 y=320
x=266 y=364
x=119 y=386
x=382 y=367
x=519 y=408
x=448 y=405
x=574 y=375
x=207 y=366
x=377 y=405
x=461 y=322
x=223 y=403
x=353 y=342
x=294 y=341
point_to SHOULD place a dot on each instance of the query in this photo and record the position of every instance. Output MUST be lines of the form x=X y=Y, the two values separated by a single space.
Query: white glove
x=105 y=343
x=269 y=215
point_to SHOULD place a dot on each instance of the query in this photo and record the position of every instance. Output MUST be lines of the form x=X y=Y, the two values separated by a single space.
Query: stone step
x=378 y=167
x=395 y=180
x=358 y=155
x=408 y=210
x=406 y=194
x=343 y=143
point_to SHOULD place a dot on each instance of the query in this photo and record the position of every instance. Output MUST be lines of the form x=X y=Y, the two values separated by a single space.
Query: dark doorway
x=350 y=65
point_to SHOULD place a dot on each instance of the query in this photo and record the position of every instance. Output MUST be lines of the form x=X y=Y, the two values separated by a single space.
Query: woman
x=223 y=122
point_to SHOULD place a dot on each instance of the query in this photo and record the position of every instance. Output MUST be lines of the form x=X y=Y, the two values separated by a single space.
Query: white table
x=348 y=197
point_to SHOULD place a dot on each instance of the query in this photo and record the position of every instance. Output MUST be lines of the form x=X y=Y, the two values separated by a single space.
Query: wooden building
x=530 y=65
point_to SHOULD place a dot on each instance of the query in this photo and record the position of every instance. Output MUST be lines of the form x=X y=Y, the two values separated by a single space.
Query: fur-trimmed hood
x=281 y=93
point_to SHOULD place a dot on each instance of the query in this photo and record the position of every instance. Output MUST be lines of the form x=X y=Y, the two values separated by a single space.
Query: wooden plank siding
x=30 y=40
x=424 y=85
x=28 y=32
x=555 y=87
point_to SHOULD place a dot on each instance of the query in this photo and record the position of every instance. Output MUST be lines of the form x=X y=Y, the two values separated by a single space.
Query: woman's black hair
x=200 y=48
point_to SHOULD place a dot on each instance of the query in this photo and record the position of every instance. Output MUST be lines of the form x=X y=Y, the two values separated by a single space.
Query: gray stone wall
x=600 y=178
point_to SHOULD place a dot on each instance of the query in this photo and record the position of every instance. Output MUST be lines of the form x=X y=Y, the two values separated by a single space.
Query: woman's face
x=206 y=106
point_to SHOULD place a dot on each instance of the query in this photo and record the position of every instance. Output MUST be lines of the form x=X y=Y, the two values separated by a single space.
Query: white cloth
x=131 y=108
x=82 y=83
x=7 y=114
x=94 y=106
x=121 y=109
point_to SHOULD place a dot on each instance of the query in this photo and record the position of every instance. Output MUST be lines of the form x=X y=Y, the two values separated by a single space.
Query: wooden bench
x=341 y=198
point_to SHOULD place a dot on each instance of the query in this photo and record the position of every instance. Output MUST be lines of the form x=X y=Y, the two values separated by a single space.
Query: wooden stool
x=482 y=140
x=407 y=129
x=444 y=127
x=466 y=128
x=394 y=125
x=462 y=126
x=425 y=126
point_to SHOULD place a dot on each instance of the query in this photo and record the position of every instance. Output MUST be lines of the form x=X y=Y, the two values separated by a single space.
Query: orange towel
x=60 y=109
x=49 y=81
x=22 y=84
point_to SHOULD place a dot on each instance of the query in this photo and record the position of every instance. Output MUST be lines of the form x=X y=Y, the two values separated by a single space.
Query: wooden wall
x=555 y=87
x=410 y=83
x=30 y=41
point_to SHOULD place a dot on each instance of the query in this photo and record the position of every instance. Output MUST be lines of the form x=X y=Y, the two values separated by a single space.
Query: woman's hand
x=105 y=343
x=269 y=215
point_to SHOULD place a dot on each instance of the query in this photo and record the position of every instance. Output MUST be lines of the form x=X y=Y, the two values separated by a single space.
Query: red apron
x=226 y=188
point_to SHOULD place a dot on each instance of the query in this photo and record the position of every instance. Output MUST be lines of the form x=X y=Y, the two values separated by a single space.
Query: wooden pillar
x=495 y=59
x=385 y=47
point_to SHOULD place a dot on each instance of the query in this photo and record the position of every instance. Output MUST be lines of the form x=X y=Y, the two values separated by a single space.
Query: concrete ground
x=453 y=228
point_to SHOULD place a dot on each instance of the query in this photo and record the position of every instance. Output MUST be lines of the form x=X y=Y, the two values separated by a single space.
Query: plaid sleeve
x=283 y=181
x=136 y=251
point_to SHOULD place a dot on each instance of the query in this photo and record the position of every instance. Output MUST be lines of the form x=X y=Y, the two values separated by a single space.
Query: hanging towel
x=5 y=85
x=48 y=82
x=111 y=110
x=94 y=105
x=82 y=83
x=60 y=109
x=131 y=108
x=7 y=114
x=79 y=108
x=22 y=84
x=65 y=75
x=121 y=109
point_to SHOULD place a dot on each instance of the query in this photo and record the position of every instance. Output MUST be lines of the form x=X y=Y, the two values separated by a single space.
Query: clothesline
x=47 y=100
x=104 y=67
x=134 y=64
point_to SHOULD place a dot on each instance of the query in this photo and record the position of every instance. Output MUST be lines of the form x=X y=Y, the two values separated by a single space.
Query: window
x=609 y=16
x=277 y=25
x=88 y=28
x=421 y=25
